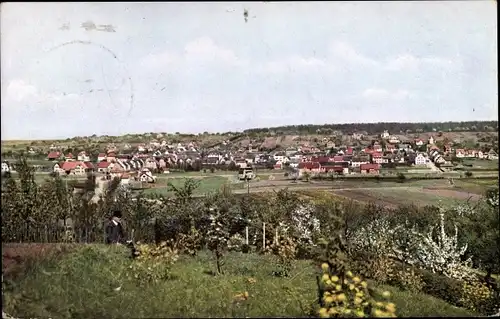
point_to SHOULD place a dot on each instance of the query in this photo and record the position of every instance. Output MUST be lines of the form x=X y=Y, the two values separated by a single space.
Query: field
x=92 y=282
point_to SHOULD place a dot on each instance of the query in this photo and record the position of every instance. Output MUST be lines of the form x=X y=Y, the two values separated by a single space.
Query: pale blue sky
x=199 y=67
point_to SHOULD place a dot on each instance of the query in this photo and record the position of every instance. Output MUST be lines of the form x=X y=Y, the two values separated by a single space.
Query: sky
x=195 y=67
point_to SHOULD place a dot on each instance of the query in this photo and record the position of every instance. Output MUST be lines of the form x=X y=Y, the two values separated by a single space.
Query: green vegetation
x=92 y=282
x=365 y=247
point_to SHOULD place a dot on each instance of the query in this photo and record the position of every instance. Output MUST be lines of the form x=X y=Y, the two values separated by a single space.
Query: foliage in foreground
x=93 y=282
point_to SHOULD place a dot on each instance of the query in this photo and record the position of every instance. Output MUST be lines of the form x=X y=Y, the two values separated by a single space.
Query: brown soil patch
x=17 y=257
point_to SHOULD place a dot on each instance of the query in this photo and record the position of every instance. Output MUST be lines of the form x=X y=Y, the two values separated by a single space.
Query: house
x=393 y=140
x=420 y=159
x=377 y=157
x=312 y=167
x=431 y=140
x=377 y=147
x=357 y=162
x=104 y=166
x=101 y=157
x=370 y=168
x=492 y=155
x=5 y=167
x=145 y=175
x=73 y=167
x=241 y=162
x=460 y=153
x=52 y=156
x=278 y=165
x=111 y=156
x=419 y=142
x=83 y=157
x=385 y=134
x=69 y=157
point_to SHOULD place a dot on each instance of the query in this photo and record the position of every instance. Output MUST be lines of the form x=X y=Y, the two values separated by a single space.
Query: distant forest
x=377 y=128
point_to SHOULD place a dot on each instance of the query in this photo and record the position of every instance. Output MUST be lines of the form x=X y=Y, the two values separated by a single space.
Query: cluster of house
x=143 y=159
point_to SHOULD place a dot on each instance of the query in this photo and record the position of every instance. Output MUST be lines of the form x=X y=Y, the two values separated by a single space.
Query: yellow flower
x=329 y=300
x=246 y=295
x=356 y=279
x=325 y=277
x=386 y=294
x=349 y=273
x=360 y=294
x=364 y=284
x=251 y=280
x=360 y=314
x=347 y=311
x=335 y=278
x=332 y=311
x=351 y=287
x=325 y=267
x=358 y=301
x=323 y=313
x=338 y=287
x=341 y=297
x=328 y=282
x=379 y=304
x=378 y=313
x=390 y=307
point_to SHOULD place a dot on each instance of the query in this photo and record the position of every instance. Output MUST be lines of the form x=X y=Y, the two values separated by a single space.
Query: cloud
x=203 y=50
x=292 y=64
x=377 y=94
x=408 y=62
x=345 y=52
x=20 y=91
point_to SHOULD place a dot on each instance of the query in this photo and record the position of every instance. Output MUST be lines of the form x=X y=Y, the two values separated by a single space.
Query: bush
x=153 y=263
x=442 y=287
x=346 y=295
x=408 y=279
x=478 y=297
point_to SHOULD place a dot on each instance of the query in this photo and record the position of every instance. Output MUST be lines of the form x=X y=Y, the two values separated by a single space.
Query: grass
x=82 y=284
x=481 y=164
x=206 y=185
x=411 y=195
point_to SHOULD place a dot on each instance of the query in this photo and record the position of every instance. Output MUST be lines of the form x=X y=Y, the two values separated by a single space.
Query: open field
x=481 y=164
x=394 y=197
x=92 y=282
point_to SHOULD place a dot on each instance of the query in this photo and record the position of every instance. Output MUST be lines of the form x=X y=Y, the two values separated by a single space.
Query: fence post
x=246 y=235
x=263 y=236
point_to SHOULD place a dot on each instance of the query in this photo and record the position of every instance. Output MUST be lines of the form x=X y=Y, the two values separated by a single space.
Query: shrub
x=153 y=263
x=478 y=297
x=442 y=287
x=190 y=243
x=236 y=243
x=346 y=295
x=285 y=250
x=408 y=279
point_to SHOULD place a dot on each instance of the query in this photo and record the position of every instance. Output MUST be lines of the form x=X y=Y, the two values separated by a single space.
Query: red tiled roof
x=68 y=166
x=369 y=166
x=377 y=154
x=338 y=158
x=103 y=164
x=321 y=159
x=309 y=165
x=53 y=155
x=334 y=168
x=111 y=154
x=101 y=155
x=349 y=151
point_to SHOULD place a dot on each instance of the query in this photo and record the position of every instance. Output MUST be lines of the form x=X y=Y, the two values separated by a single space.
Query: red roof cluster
x=103 y=164
x=53 y=155
x=309 y=165
x=368 y=167
x=68 y=166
